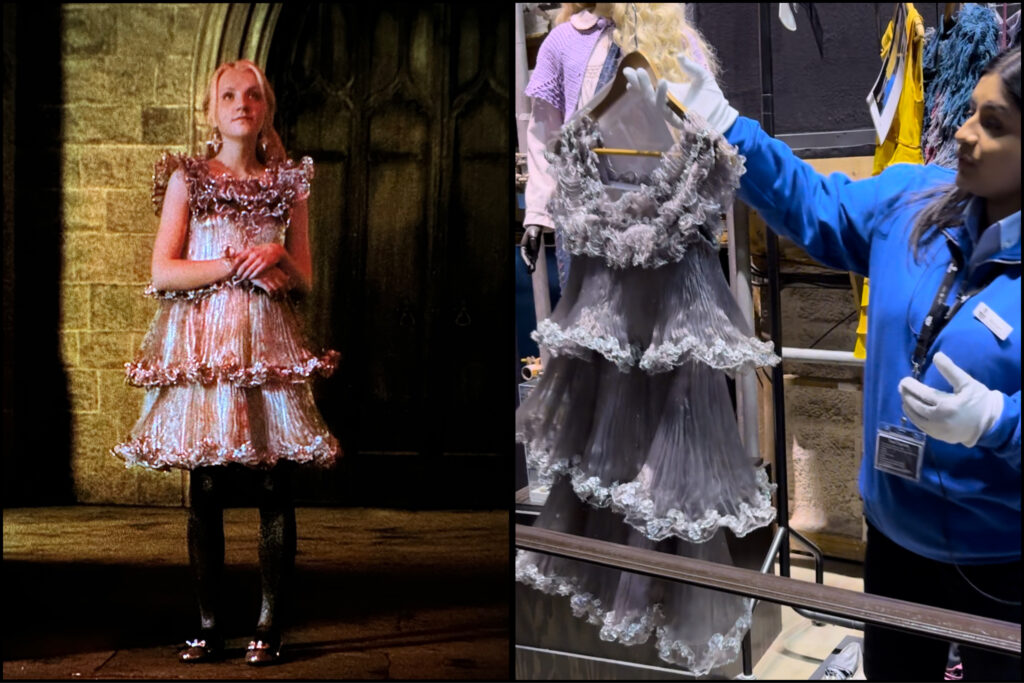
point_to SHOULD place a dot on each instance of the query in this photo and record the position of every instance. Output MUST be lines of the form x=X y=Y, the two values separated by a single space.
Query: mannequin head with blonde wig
x=269 y=147
x=659 y=30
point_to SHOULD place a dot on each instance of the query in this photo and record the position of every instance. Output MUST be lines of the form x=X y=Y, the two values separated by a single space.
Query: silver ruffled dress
x=632 y=420
x=226 y=367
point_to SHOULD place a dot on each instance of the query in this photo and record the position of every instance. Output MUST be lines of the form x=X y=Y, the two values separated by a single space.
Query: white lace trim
x=750 y=355
x=633 y=500
x=584 y=605
x=586 y=336
x=581 y=338
x=631 y=630
x=719 y=650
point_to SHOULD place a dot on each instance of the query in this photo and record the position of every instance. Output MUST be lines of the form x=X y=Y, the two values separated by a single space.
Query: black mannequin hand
x=530 y=245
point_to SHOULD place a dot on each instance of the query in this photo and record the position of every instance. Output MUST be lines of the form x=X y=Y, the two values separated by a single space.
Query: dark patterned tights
x=211 y=488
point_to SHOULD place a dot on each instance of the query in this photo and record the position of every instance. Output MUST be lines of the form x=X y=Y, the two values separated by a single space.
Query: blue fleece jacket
x=966 y=507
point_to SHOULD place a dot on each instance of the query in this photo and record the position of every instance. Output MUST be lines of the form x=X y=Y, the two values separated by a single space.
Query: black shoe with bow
x=264 y=649
x=208 y=647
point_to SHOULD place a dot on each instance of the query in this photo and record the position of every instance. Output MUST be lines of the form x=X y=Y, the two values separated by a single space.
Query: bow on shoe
x=262 y=652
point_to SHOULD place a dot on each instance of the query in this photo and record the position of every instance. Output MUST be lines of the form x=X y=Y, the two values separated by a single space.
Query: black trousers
x=893 y=571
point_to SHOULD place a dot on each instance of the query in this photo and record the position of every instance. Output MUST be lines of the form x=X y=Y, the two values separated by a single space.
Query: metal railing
x=925 y=620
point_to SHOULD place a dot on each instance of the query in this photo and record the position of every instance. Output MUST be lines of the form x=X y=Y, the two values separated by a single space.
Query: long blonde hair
x=660 y=30
x=274 y=148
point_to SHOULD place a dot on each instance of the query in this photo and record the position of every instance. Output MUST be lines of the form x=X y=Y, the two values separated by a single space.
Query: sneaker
x=844 y=664
x=954 y=668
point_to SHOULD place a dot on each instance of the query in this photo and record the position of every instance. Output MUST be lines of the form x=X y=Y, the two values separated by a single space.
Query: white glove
x=640 y=83
x=960 y=417
x=701 y=95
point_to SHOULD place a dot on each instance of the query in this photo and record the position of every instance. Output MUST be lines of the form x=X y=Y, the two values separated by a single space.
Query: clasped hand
x=258 y=264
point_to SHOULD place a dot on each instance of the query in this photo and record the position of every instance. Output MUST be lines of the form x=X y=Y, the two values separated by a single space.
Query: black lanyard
x=940 y=313
x=937 y=317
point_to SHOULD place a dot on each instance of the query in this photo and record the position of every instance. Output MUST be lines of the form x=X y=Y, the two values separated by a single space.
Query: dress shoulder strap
x=163 y=170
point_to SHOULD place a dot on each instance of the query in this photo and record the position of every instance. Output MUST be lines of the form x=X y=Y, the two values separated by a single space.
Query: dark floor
x=105 y=592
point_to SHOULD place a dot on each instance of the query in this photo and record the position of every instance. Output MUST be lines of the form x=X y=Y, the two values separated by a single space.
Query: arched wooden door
x=404 y=107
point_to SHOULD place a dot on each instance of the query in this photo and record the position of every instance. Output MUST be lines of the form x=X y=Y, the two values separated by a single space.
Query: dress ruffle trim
x=678 y=205
x=200 y=293
x=270 y=195
x=144 y=375
x=579 y=339
x=143 y=452
x=634 y=502
x=721 y=649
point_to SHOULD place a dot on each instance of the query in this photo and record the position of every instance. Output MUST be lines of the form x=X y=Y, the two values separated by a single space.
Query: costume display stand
x=780 y=547
x=562 y=636
x=778 y=543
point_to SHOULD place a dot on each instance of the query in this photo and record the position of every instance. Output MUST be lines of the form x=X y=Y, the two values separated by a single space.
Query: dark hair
x=946 y=203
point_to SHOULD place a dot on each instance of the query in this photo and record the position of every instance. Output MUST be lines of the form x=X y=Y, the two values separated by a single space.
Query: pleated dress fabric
x=227 y=368
x=632 y=421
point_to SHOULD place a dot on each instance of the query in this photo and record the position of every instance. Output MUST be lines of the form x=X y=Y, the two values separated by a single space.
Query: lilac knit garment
x=561 y=63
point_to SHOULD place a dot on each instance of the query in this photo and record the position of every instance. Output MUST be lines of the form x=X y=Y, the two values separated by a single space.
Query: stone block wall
x=126 y=98
x=823 y=425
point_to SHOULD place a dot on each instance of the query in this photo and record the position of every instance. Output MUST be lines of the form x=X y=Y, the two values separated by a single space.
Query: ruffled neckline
x=269 y=178
x=229 y=174
x=697 y=149
x=677 y=203
x=279 y=184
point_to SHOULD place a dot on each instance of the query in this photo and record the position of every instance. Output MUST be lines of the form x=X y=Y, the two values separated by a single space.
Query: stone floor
x=105 y=592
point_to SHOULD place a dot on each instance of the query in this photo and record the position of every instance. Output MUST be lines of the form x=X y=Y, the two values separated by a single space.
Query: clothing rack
x=780 y=547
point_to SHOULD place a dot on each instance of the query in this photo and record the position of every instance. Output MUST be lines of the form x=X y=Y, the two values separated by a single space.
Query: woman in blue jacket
x=941 y=471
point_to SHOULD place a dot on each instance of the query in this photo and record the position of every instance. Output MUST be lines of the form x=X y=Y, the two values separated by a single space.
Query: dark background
x=412 y=195
x=812 y=93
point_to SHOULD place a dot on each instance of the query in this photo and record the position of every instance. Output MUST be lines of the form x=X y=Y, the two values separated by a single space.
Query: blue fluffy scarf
x=952 y=66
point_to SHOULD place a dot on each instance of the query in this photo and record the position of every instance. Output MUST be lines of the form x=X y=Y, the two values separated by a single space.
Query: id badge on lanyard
x=899 y=450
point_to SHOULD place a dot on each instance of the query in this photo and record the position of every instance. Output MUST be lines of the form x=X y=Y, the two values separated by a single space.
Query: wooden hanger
x=637 y=60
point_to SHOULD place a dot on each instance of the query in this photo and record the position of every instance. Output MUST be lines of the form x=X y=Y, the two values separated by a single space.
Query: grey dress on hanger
x=632 y=420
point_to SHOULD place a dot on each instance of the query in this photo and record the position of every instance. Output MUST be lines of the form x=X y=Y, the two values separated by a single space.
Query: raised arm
x=169 y=270
x=832 y=217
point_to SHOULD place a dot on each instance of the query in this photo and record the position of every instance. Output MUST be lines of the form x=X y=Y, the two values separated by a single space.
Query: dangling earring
x=215 y=142
x=262 y=144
